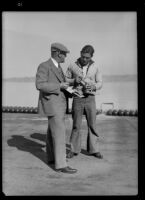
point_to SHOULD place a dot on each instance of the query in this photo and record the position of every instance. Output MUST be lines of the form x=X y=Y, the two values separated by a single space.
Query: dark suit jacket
x=52 y=100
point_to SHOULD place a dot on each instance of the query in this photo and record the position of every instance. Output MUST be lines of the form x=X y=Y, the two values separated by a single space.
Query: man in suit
x=50 y=81
x=87 y=80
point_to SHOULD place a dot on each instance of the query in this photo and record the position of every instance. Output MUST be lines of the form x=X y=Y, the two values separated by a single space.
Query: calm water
x=122 y=94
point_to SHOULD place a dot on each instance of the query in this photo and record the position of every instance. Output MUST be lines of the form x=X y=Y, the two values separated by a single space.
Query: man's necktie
x=61 y=72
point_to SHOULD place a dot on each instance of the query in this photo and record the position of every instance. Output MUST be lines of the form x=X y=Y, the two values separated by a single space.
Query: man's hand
x=90 y=87
x=78 y=79
x=64 y=85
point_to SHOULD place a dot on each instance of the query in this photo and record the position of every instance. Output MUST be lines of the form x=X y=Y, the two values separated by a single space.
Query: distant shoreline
x=106 y=78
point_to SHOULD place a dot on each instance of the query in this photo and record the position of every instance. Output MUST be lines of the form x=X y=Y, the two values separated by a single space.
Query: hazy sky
x=27 y=37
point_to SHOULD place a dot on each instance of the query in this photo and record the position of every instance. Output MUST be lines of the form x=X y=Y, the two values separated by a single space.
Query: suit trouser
x=81 y=105
x=55 y=141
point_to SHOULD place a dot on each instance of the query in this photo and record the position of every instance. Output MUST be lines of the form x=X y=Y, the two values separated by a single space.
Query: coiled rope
x=34 y=110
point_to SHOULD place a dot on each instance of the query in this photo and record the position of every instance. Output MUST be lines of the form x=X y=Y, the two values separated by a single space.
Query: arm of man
x=42 y=81
x=98 y=80
x=97 y=83
x=69 y=76
x=73 y=76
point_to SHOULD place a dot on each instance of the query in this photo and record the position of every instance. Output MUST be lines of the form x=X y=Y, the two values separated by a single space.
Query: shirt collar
x=54 y=62
x=78 y=63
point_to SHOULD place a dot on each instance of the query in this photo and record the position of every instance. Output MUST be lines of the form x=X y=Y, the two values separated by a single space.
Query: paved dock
x=25 y=171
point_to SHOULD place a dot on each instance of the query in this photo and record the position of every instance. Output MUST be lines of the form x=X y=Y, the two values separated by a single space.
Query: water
x=123 y=95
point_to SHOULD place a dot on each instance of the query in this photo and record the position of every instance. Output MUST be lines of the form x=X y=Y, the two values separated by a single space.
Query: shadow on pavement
x=25 y=144
x=85 y=152
x=39 y=136
x=42 y=137
x=35 y=148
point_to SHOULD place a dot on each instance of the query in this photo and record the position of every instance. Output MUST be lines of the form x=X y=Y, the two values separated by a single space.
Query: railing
x=108 y=103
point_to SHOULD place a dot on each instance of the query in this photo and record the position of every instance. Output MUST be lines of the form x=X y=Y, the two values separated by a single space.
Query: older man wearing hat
x=51 y=83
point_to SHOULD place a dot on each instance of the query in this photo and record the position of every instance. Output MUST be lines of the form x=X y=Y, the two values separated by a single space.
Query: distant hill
x=106 y=78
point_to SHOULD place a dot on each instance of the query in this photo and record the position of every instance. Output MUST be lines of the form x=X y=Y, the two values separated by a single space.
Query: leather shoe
x=98 y=155
x=50 y=162
x=67 y=169
x=71 y=154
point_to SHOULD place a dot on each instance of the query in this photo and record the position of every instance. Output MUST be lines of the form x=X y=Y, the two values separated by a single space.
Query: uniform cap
x=58 y=46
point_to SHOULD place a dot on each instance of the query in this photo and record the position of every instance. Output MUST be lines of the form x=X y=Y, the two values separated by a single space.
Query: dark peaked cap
x=58 y=46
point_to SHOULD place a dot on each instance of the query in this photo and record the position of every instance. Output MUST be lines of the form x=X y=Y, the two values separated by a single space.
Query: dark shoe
x=71 y=154
x=67 y=169
x=98 y=155
x=51 y=162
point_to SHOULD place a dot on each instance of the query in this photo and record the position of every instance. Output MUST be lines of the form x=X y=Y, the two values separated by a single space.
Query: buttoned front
x=92 y=74
x=52 y=100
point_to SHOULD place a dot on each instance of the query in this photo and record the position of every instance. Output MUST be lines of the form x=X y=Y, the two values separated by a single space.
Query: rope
x=34 y=110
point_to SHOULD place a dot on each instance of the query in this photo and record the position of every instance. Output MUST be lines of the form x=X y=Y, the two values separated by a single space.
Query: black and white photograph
x=69 y=103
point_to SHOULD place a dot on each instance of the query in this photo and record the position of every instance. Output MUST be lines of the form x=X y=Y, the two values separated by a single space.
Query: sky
x=27 y=38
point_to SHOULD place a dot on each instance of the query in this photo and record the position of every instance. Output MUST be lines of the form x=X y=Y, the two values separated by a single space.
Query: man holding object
x=51 y=83
x=87 y=79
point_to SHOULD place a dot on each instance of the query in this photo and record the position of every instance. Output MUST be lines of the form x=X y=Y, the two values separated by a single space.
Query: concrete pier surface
x=25 y=170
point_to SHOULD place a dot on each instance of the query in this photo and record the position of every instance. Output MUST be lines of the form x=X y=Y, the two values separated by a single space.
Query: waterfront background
x=122 y=93
x=27 y=38
x=26 y=42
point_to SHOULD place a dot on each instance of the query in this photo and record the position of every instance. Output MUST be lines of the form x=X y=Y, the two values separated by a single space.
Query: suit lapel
x=55 y=70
